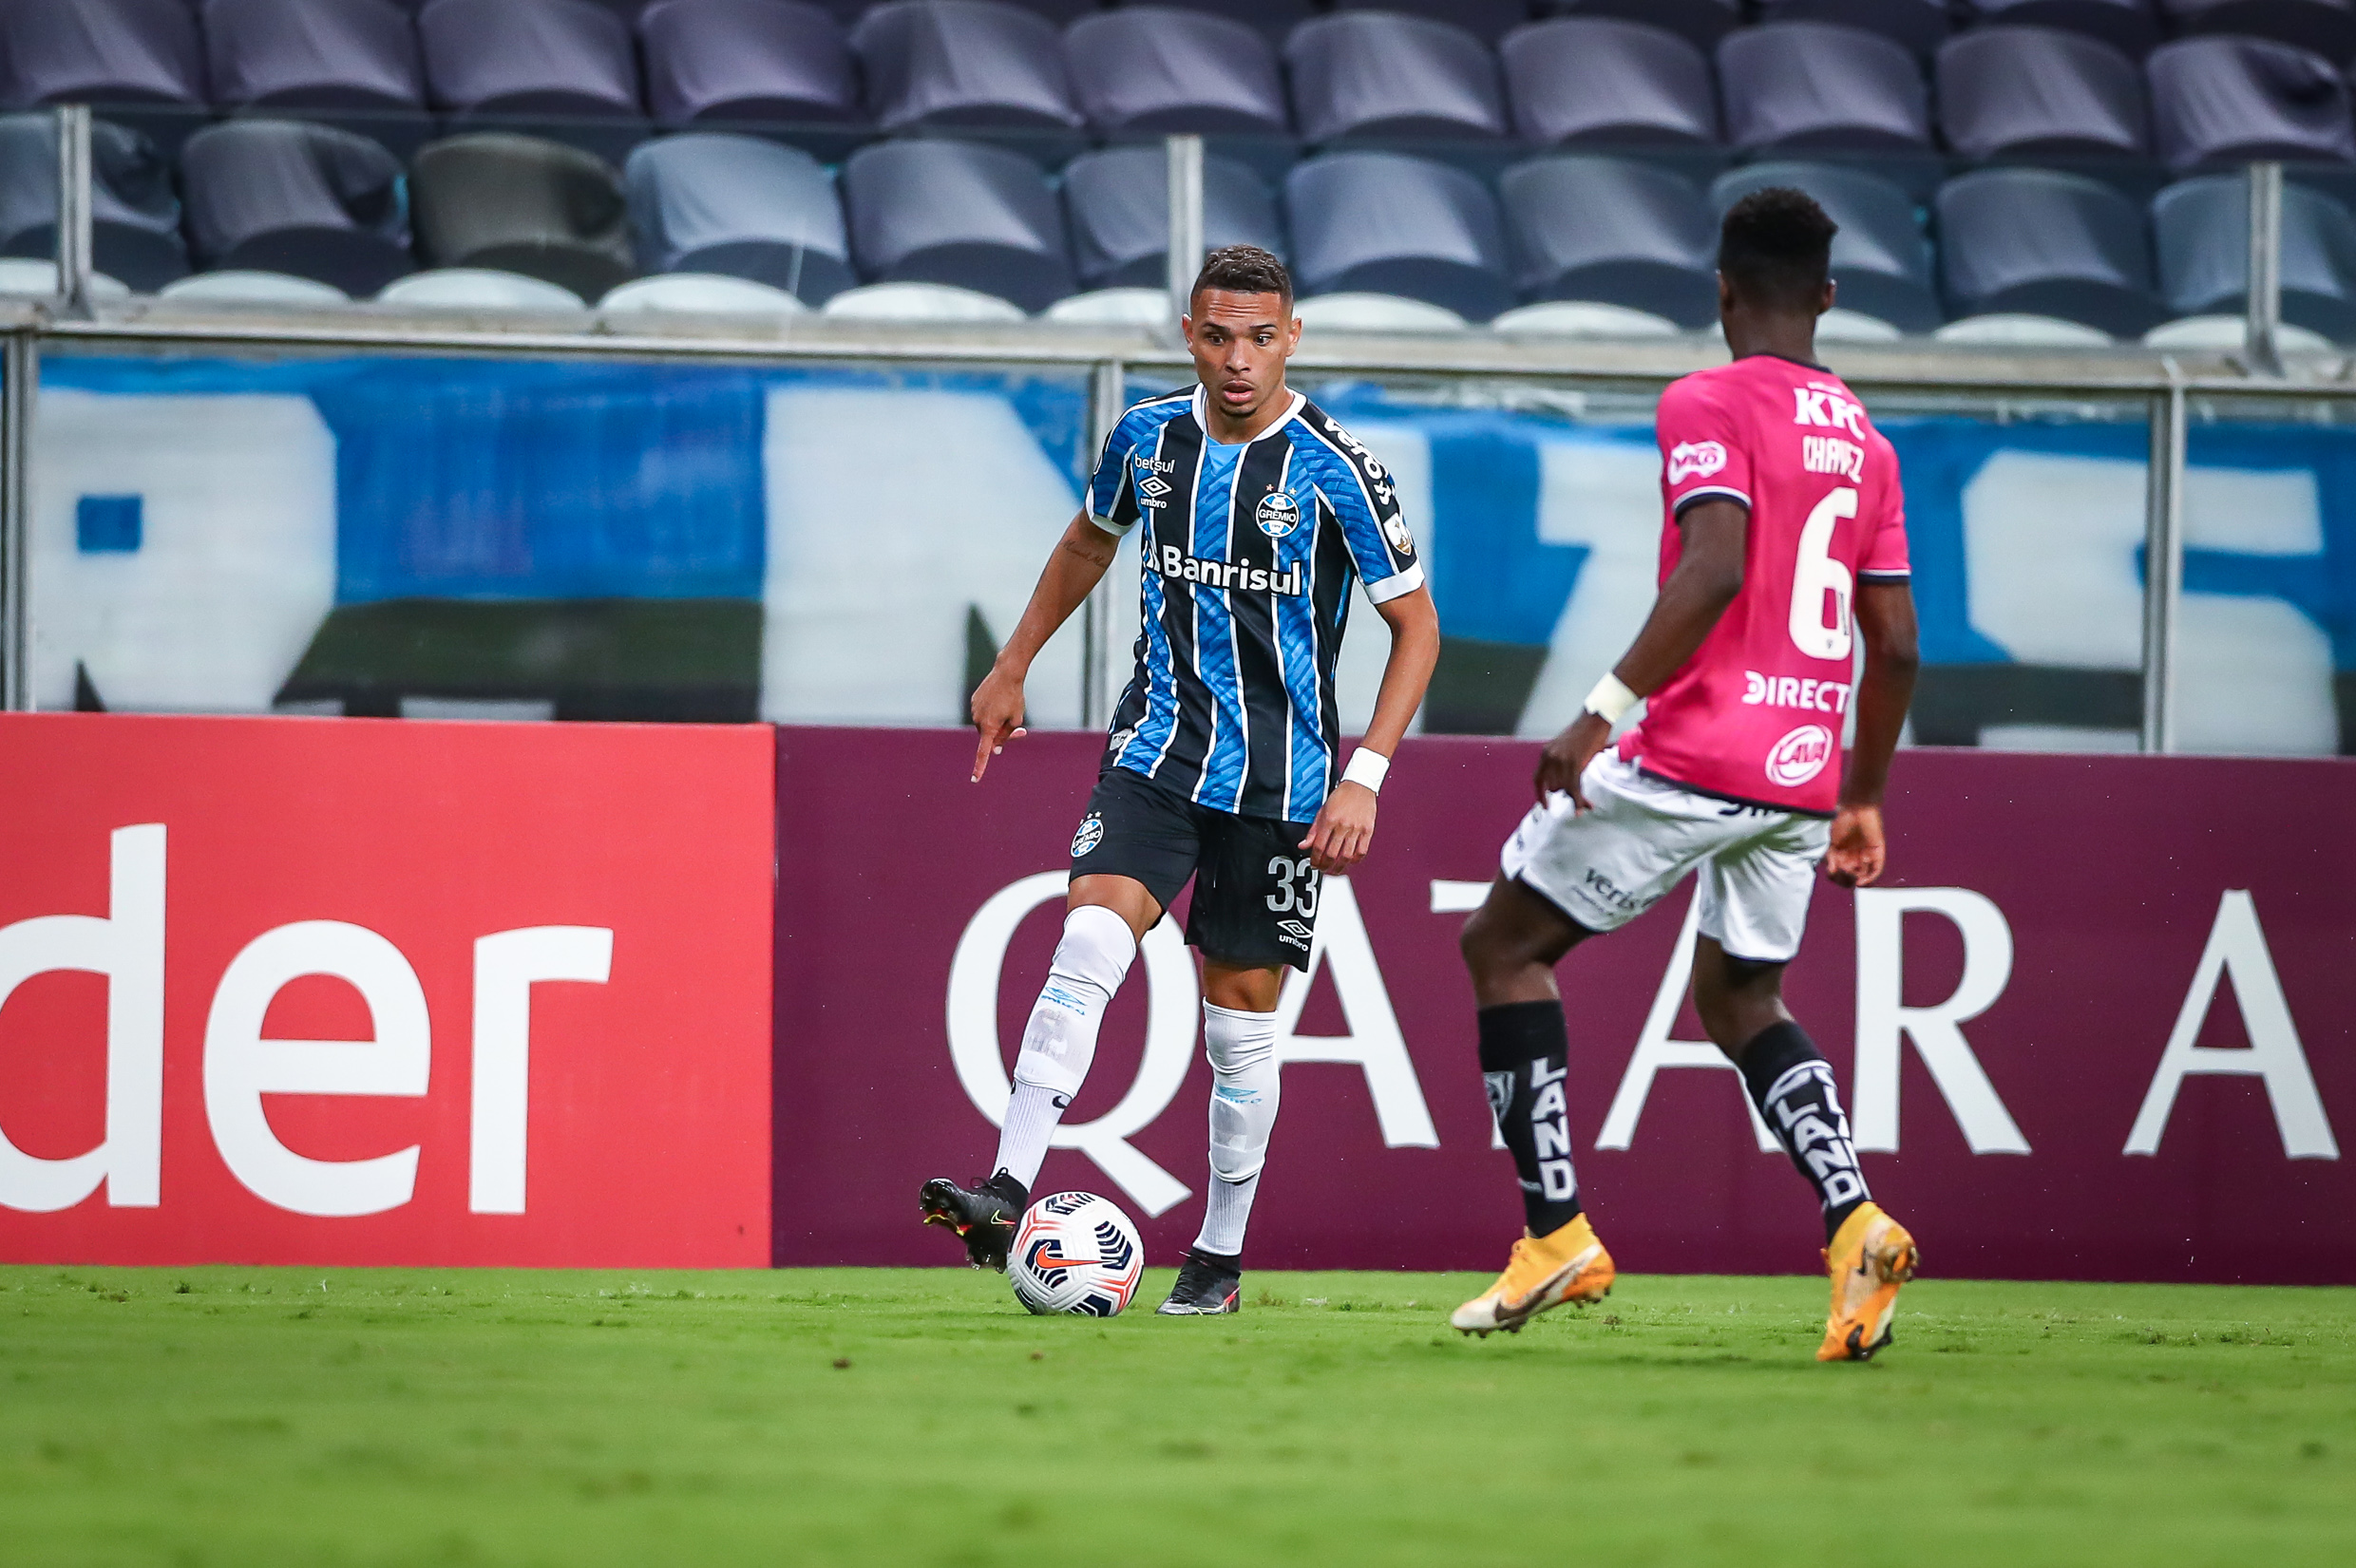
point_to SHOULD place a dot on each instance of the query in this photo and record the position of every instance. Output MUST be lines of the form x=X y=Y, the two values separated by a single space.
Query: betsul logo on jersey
x=1278 y=513
x=1695 y=460
x=1800 y=755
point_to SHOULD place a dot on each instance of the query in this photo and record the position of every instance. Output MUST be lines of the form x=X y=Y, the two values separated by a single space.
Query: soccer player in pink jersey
x=1784 y=546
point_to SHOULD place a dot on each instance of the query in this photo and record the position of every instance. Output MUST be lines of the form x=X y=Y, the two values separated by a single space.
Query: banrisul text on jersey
x=1249 y=552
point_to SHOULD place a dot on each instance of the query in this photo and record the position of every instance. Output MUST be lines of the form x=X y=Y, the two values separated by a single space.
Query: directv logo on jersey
x=1693 y=459
x=1791 y=691
x=1173 y=563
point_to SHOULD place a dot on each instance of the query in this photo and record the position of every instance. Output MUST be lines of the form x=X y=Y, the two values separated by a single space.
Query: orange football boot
x=1871 y=1257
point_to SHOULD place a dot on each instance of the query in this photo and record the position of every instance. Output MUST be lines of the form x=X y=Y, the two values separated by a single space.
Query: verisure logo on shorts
x=1800 y=755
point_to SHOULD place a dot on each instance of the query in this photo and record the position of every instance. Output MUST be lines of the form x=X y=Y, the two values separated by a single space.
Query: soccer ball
x=1076 y=1252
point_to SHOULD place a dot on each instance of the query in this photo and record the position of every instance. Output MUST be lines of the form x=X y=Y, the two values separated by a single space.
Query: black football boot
x=984 y=1215
x=1208 y=1285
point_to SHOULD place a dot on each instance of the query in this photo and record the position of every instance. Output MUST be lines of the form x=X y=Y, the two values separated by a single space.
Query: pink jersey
x=1756 y=714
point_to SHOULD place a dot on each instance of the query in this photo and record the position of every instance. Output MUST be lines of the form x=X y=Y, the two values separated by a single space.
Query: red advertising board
x=2097 y=1023
x=357 y=991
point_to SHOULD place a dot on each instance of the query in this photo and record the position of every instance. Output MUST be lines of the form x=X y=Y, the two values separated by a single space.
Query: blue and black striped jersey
x=1248 y=553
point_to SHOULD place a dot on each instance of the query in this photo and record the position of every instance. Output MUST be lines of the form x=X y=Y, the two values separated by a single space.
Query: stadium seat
x=2126 y=25
x=1582 y=319
x=2037 y=92
x=23 y=278
x=2226 y=334
x=554 y=59
x=2200 y=228
x=100 y=51
x=1060 y=14
x=1156 y=70
x=1917 y=24
x=701 y=293
x=521 y=205
x=1274 y=20
x=1611 y=231
x=1598 y=81
x=1133 y=307
x=1701 y=22
x=958 y=213
x=941 y=302
x=1818 y=86
x=280 y=195
x=1360 y=312
x=2014 y=330
x=2045 y=244
x=1118 y=204
x=251 y=286
x=1374 y=74
x=1845 y=326
x=314 y=54
x=1488 y=20
x=135 y=216
x=708 y=202
x=1879 y=257
x=2326 y=26
x=1371 y=223
x=477 y=288
x=747 y=60
x=2231 y=100
x=963 y=63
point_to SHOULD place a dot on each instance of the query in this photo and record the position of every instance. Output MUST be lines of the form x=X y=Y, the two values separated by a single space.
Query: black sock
x=1525 y=1057
x=1792 y=1084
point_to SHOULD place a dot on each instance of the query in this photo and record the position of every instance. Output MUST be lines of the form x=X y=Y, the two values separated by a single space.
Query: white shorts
x=1606 y=866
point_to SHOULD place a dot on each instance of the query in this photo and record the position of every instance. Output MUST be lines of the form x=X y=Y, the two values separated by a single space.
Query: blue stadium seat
x=1613 y=232
x=1597 y=80
x=1917 y=24
x=2041 y=243
x=1119 y=201
x=963 y=63
x=1488 y=20
x=548 y=58
x=100 y=51
x=2031 y=92
x=2327 y=27
x=958 y=213
x=1274 y=20
x=741 y=206
x=1384 y=224
x=2231 y=100
x=1818 y=86
x=314 y=54
x=2128 y=24
x=134 y=218
x=747 y=60
x=2200 y=228
x=1880 y=259
x=1156 y=70
x=283 y=196
x=1372 y=74
x=1701 y=22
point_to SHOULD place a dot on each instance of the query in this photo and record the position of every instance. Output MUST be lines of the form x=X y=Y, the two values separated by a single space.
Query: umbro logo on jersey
x=1173 y=563
x=1695 y=459
x=1278 y=513
x=1155 y=485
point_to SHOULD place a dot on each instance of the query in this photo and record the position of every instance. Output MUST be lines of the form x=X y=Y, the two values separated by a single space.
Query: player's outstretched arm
x=1344 y=829
x=1707 y=577
x=1073 y=570
x=1885 y=613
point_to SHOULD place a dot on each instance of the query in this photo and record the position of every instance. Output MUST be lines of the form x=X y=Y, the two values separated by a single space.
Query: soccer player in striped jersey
x=1256 y=513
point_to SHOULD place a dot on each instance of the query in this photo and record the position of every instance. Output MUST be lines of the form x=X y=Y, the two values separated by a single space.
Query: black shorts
x=1255 y=892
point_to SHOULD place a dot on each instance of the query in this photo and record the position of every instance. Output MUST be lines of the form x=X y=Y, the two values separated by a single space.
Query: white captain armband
x=1366 y=768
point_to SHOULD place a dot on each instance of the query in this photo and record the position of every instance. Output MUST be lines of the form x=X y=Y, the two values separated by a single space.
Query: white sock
x=1245 y=1087
x=1060 y=1040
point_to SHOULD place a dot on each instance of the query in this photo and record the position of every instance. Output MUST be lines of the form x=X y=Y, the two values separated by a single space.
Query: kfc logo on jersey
x=1800 y=755
x=1791 y=691
x=1278 y=513
x=1828 y=406
x=1695 y=460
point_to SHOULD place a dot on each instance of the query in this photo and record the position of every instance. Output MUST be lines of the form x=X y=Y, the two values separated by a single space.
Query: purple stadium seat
x=314 y=54
x=1612 y=230
x=135 y=216
x=1272 y=19
x=1156 y=70
x=748 y=59
x=957 y=213
x=1488 y=20
x=1119 y=201
x=1919 y=24
x=100 y=51
x=1060 y=12
x=2129 y=25
x=1821 y=87
x=2200 y=228
x=1596 y=81
x=2042 y=242
x=1880 y=258
x=2327 y=27
x=2231 y=100
x=741 y=206
x=1374 y=74
x=281 y=197
x=1704 y=22
x=1382 y=223
x=2038 y=92
x=971 y=64
x=555 y=58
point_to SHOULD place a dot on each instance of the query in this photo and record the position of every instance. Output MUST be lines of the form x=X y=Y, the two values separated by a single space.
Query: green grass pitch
x=876 y=1417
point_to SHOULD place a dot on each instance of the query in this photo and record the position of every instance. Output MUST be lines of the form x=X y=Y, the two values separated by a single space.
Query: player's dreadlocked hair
x=1244 y=270
x=1776 y=248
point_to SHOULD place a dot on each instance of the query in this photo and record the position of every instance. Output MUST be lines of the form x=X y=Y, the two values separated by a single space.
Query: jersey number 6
x=1816 y=574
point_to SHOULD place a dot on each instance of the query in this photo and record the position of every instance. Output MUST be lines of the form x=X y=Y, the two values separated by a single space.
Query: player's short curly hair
x=1776 y=248
x=1244 y=270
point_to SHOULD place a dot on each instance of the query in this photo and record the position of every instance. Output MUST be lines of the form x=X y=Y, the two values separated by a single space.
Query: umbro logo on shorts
x=1293 y=934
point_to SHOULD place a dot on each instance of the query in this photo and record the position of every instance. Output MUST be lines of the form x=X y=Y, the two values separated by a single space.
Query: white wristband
x=1610 y=699
x=1366 y=768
